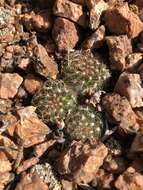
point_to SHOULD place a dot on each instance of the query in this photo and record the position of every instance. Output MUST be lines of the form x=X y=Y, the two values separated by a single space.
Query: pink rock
x=9 y=84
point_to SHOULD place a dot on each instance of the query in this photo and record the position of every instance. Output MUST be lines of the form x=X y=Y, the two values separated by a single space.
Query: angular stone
x=129 y=180
x=121 y=20
x=71 y=11
x=65 y=34
x=119 y=48
x=32 y=83
x=96 y=40
x=30 y=128
x=130 y=86
x=84 y=162
x=95 y=14
x=44 y=64
x=9 y=84
x=119 y=112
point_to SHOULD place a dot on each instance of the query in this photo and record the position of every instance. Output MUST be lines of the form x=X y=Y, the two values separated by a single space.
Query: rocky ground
x=71 y=95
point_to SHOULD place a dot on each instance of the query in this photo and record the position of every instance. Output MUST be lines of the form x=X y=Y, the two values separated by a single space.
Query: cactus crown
x=84 y=72
x=84 y=123
x=54 y=101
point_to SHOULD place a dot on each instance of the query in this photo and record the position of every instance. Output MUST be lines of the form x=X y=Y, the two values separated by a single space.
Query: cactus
x=54 y=101
x=84 y=72
x=46 y=173
x=84 y=123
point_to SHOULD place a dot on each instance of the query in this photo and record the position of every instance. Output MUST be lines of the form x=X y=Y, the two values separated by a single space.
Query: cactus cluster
x=57 y=101
x=46 y=173
x=54 y=101
x=84 y=72
x=84 y=123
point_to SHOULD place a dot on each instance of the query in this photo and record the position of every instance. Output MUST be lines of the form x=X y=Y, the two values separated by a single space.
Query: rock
x=67 y=185
x=32 y=83
x=114 y=164
x=133 y=61
x=23 y=63
x=5 y=165
x=26 y=164
x=103 y=180
x=119 y=48
x=130 y=86
x=137 y=144
x=30 y=128
x=121 y=20
x=9 y=84
x=41 y=21
x=96 y=40
x=5 y=178
x=83 y=163
x=30 y=182
x=119 y=112
x=95 y=14
x=43 y=63
x=5 y=105
x=65 y=34
x=129 y=180
x=71 y=11
x=50 y=46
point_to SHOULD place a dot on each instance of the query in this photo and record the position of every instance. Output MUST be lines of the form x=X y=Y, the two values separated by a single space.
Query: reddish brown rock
x=9 y=84
x=5 y=165
x=30 y=128
x=119 y=112
x=27 y=164
x=96 y=40
x=83 y=163
x=41 y=21
x=119 y=48
x=5 y=105
x=23 y=63
x=71 y=11
x=65 y=34
x=137 y=144
x=44 y=64
x=130 y=86
x=133 y=61
x=5 y=178
x=96 y=11
x=31 y=182
x=121 y=20
x=32 y=83
x=114 y=164
x=129 y=180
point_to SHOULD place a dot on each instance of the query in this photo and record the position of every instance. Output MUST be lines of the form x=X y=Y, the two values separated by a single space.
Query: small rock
x=129 y=180
x=5 y=105
x=65 y=34
x=133 y=61
x=30 y=128
x=67 y=185
x=9 y=84
x=121 y=20
x=44 y=65
x=5 y=165
x=23 y=63
x=30 y=182
x=83 y=163
x=71 y=11
x=114 y=164
x=130 y=86
x=5 y=178
x=26 y=164
x=137 y=144
x=95 y=14
x=41 y=21
x=119 y=48
x=32 y=83
x=96 y=40
x=119 y=112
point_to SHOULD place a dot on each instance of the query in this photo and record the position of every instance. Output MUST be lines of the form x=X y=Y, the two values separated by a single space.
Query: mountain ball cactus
x=84 y=72
x=54 y=101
